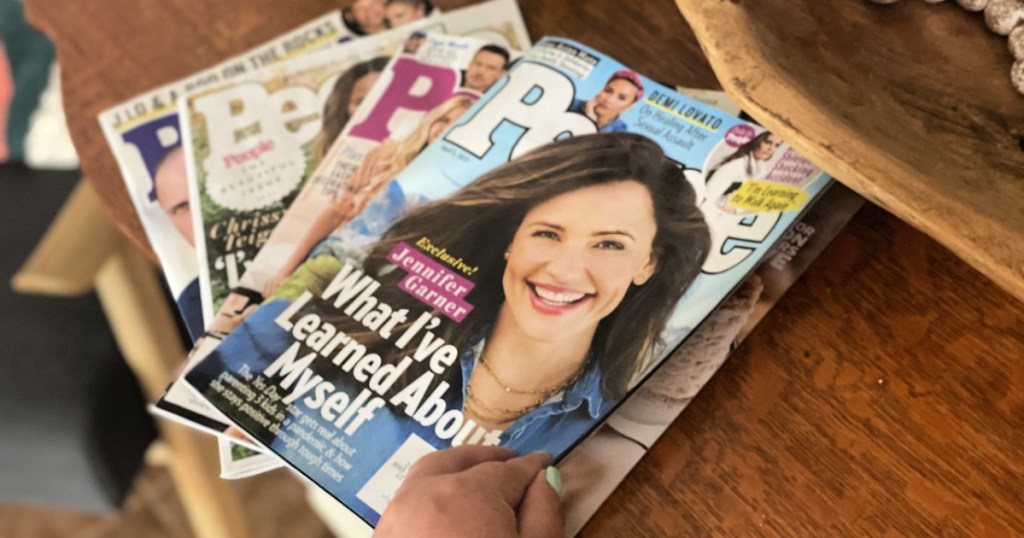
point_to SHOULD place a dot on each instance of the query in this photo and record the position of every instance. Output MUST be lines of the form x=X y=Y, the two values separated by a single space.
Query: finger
x=380 y=168
x=356 y=179
x=540 y=513
x=363 y=173
x=271 y=286
x=352 y=183
x=511 y=478
x=454 y=460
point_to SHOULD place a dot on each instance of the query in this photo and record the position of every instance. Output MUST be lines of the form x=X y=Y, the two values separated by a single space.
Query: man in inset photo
x=487 y=66
x=171 y=185
x=365 y=17
x=170 y=182
x=414 y=42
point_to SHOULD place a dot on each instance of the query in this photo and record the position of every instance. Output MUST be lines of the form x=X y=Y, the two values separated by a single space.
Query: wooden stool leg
x=82 y=249
x=143 y=325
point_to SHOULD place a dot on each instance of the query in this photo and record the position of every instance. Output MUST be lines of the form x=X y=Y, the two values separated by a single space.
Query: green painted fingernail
x=555 y=479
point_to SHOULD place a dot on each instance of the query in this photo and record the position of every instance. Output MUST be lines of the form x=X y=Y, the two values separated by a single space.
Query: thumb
x=540 y=513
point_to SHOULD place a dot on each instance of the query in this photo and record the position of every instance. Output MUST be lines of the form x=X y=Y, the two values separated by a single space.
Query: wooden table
x=884 y=394
x=910 y=104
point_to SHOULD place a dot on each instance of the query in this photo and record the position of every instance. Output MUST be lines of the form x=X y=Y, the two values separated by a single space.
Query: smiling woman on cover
x=584 y=247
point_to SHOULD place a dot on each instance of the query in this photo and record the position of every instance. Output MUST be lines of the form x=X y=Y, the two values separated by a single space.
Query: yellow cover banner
x=762 y=196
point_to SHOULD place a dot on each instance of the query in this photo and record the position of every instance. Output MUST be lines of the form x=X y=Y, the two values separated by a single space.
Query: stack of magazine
x=437 y=234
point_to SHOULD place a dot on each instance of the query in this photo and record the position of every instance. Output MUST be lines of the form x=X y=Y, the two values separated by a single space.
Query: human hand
x=381 y=163
x=343 y=204
x=363 y=199
x=474 y=490
x=372 y=166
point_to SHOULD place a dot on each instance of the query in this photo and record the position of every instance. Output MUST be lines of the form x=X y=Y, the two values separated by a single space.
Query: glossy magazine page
x=144 y=130
x=251 y=145
x=554 y=247
x=248 y=148
x=594 y=468
x=254 y=142
x=343 y=202
x=396 y=119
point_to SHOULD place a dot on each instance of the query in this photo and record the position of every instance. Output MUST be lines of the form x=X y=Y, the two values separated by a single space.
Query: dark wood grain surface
x=884 y=395
x=911 y=104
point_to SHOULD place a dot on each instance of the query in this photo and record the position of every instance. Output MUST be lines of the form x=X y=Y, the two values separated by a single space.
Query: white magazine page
x=498 y=21
x=143 y=134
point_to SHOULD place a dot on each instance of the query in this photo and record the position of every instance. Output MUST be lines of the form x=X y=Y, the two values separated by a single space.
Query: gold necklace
x=496 y=415
x=506 y=414
x=545 y=391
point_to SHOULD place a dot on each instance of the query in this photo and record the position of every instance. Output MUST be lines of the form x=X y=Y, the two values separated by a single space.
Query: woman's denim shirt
x=553 y=427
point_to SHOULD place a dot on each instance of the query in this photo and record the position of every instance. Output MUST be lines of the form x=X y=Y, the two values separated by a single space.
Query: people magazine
x=145 y=136
x=391 y=107
x=544 y=256
x=144 y=130
x=253 y=142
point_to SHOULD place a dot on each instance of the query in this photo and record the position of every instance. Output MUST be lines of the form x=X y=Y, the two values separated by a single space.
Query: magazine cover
x=144 y=136
x=596 y=466
x=396 y=119
x=254 y=142
x=324 y=191
x=425 y=87
x=584 y=503
x=250 y=146
x=239 y=234
x=553 y=247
